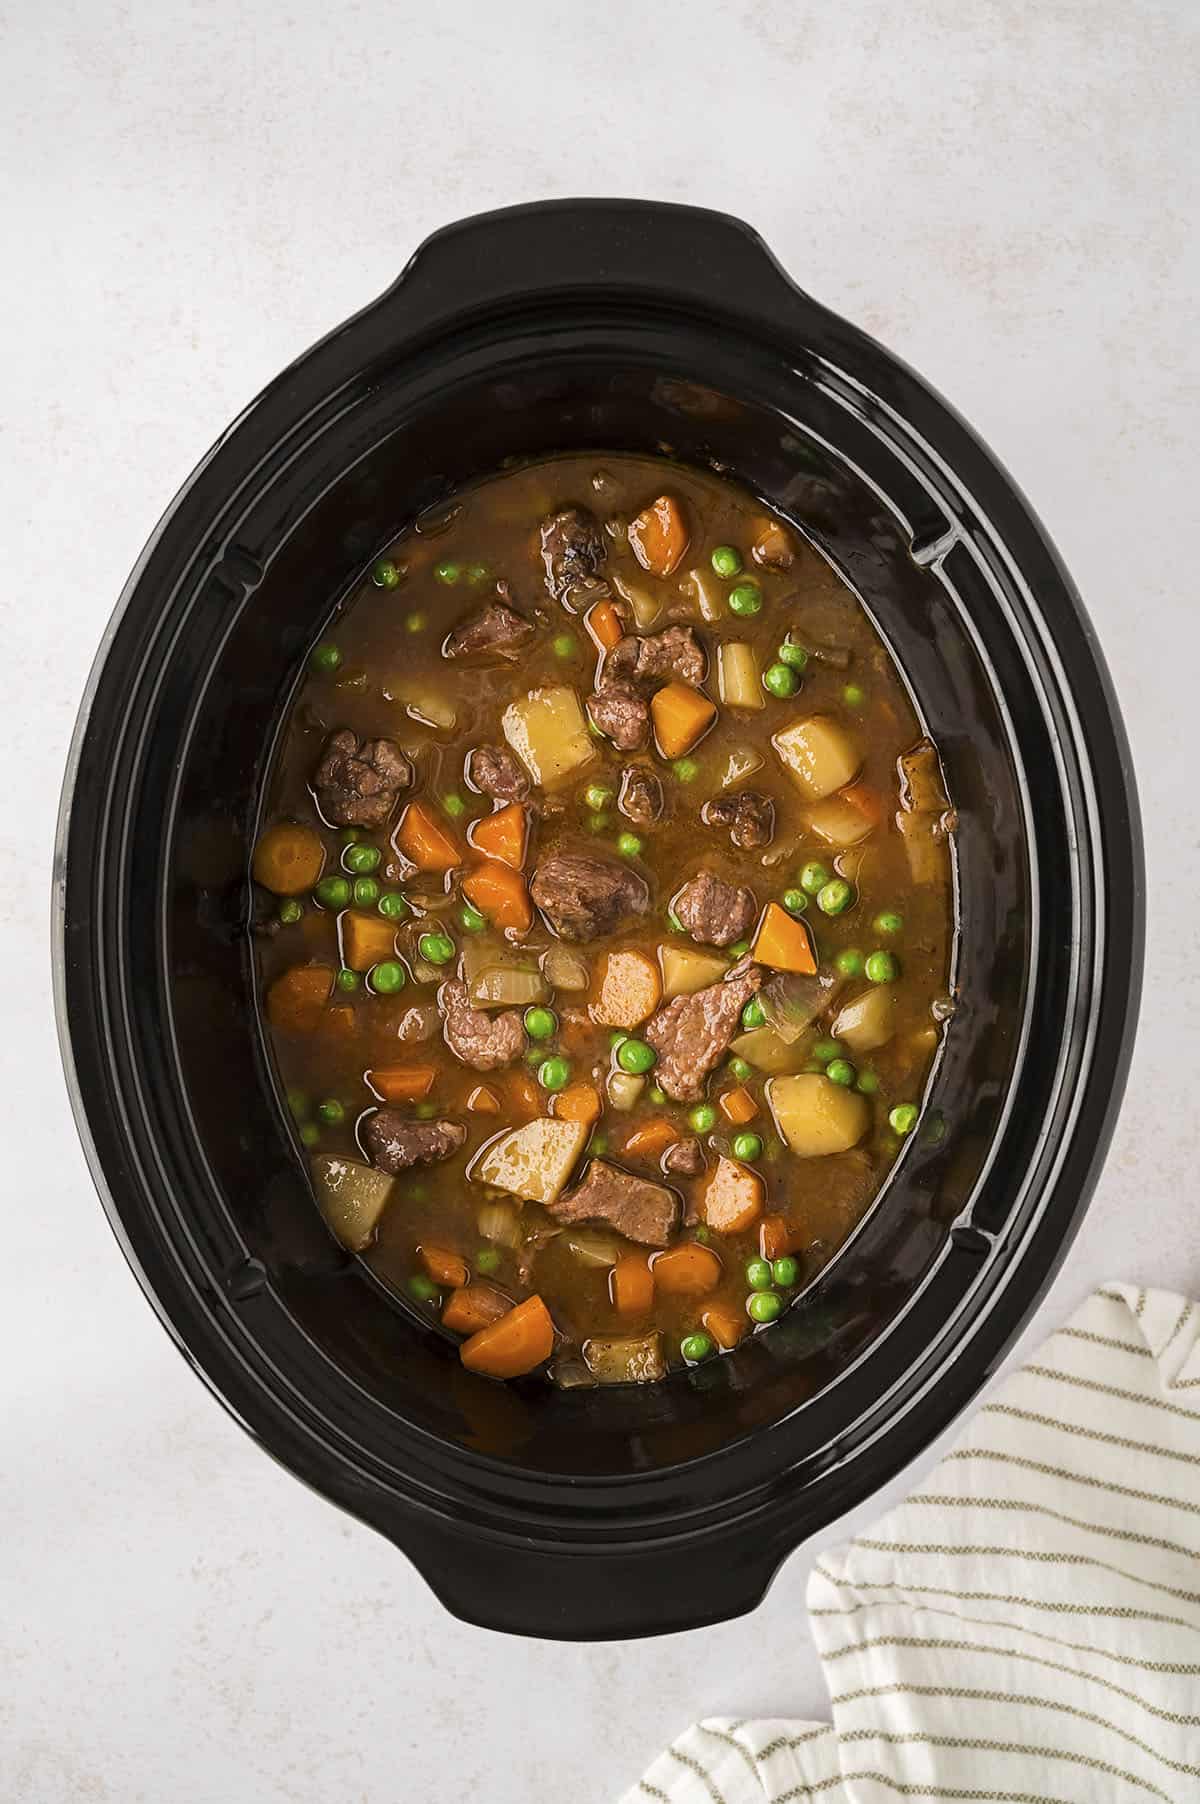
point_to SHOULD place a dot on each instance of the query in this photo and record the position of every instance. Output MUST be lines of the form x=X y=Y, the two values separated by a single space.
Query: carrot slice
x=631 y=1285
x=500 y=894
x=443 y=1266
x=681 y=717
x=473 y=1307
x=578 y=1102
x=402 y=1083
x=653 y=1138
x=733 y=1197
x=288 y=859
x=604 y=624
x=628 y=989
x=688 y=1270
x=659 y=536
x=503 y=835
x=425 y=842
x=777 y=1236
x=517 y=1343
x=738 y=1106
x=724 y=1324
x=483 y=1101
x=783 y=943
x=867 y=800
x=296 y=1001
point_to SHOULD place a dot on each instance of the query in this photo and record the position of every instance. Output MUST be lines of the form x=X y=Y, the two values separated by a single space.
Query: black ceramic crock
x=613 y=326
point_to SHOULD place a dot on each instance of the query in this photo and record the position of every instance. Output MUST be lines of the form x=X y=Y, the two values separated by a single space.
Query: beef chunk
x=674 y=655
x=685 y=1158
x=496 y=629
x=641 y=796
x=582 y=897
x=497 y=773
x=572 y=551
x=357 y=783
x=636 y=1207
x=482 y=1041
x=394 y=1142
x=749 y=816
x=622 y=715
x=714 y=911
x=692 y=1034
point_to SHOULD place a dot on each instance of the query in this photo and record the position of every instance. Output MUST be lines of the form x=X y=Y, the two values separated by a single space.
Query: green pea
x=740 y=1069
x=739 y=949
x=780 y=680
x=599 y=823
x=298 y=1103
x=421 y=1288
x=554 y=1074
x=436 y=948
x=448 y=572
x=764 y=1306
x=597 y=795
x=785 y=1271
x=656 y=1096
x=752 y=1015
x=365 y=891
x=867 y=1083
x=700 y=1232
x=813 y=877
x=351 y=835
x=673 y=921
x=416 y=623
x=471 y=919
x=347 y=979
x=881 y=967
x=416 y=1193
x=635 y=1057
x=290 y=911
x=487 y=1260
x=540 y=1023
x=726 y=560
x=703 y=1118
x=533 y=1056
x=617 y=1038
x=392 y=905
x=853 y=696
x=310 y=1134
x=564 y=645
x=826 y=1049
x=758 y=1274
x=385 y=575
x=745 y=599
x=747 y=1147
x=477 y=573
x=387 y=977
x=686 y=770
x=455 y=806
x=903 y=1118
x=597 y=1146
x=695 y=1347
x=325 y=658
x=795 y=901
x=628 y=845
x=835 y=897
x=793 y=655
x=331 y=1112
x=425 y=1111
x=840 y=1071
x=361 y=859
x=888 y=921
x=849 y=963
x=333 y=892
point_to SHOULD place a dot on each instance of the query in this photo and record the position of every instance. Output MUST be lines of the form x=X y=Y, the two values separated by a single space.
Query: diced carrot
x=726 y=1325
x=473 y=1307
x=604 y=624
x=777 y=1236
x=866 y=799
x=659 y=536
x=783 y=943
x=686 y=1270
x=518 y=1342
x=402 y=1083
x=296 y=1001
x=525 y=1097
x=425 y=842
x=681 y=717
x=578 y=1102
x=338 y=1023
x=738 y=1106
x=631 y=1285
x=483 y=1101
x=288 y=859
x=627 y=990
x=503 y=835
x=652 y=1138
x=366 y=939
x=443 y=1266
x=500 y=894
x=733 y=1197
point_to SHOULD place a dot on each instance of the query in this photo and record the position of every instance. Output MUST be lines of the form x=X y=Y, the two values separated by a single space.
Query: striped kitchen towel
x=1024 y=1629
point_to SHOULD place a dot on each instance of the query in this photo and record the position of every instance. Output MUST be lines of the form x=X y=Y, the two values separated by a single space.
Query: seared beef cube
x=715 y=912
x=480 y=1040
x=356 y=784
x=675 y=654
x=582 y=897
x=641 y=796
x=496 y=772
x=749 y=816
x=572 y=550
x=622 y=715
x=394 y=1142
x=496 y=630
x=691 y=1035
x=636 y=1207
x=685 y=1158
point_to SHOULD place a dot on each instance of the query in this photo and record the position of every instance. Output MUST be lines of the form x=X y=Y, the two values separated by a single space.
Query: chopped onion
x=792 y=1001
x=708 y=593
x=742 y=762
x=624 y=1089
x=507 y=986
x=565 y=970
x=646 y=607
x=499 y=1223
x=591 y=1247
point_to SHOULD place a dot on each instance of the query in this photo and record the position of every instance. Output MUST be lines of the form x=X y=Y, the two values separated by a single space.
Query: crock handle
x=549 y=250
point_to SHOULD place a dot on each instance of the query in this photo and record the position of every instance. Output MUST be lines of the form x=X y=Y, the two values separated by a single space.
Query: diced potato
x=566 y=970
x=685 y=971
x=733 y=1197
x=817 y=1117
x=768 y=1051
x=533 y=1161
x=628 y=990
x=869 y=1021
x=709 y=593
x=645 y=604
x=352 y=1197
x=838 y=822
x=366 y=940
x=738 y=681
x=548 y=732
x=422 y=702
x=741 y=762
x=626 y=1359
x=819 y=755
x=624 y=1089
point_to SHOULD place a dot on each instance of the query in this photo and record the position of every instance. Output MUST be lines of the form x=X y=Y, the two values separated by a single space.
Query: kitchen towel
x=1025 y=1628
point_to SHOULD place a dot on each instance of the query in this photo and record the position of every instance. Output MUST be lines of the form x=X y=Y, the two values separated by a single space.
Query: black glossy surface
x=639 y=327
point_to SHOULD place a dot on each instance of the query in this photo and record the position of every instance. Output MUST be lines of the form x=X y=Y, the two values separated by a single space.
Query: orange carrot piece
x=518 y=1342
x=288 y=859
x=473 y=1307
x=867 y=800
x=687 y=1270
x=339 y=1023
x=443 y=1266
x=738 y=1106
x=500 y=894
x=725 y=1325
x=425 y=842
x=483 y=1101
x=782 y=943
x=402 y=1083
x=659 y=536
x=681 y=717
x=652 y=1138
x=524 y=1094
x=503 y=835
x=366 y=939
x=631 y=1285
x=777 y=1236
x=578 y=1102
x=604 y=624
x=296 y=1001
x=628 y=989
x=733 y=1197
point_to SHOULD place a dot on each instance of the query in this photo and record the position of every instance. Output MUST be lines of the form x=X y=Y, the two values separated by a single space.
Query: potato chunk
x=733 y=1197
x=684 y=971
x=738 y=681
x=817 y=1117
x=533 y=1161
x=352 y=1198
x=869 y=1021
x=819 y=755
x=547 y=731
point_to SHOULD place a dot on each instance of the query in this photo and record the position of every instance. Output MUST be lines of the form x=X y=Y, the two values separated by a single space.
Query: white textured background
x=1006 y=192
